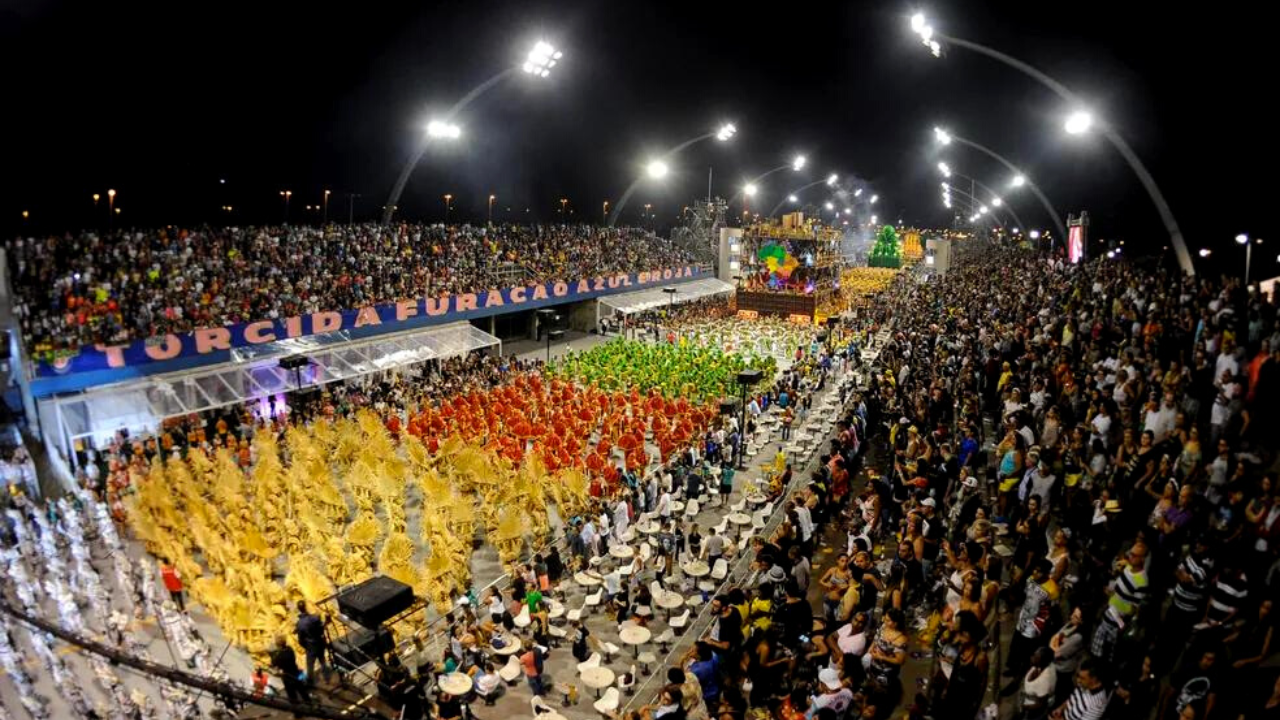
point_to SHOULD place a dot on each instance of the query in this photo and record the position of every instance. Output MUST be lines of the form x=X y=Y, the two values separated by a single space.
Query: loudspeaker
x=294 y=361
x=749 y=377
x=361 y=646
x=375 y=601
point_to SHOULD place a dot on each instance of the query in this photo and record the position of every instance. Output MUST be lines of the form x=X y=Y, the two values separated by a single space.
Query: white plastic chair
x=594 y=599
x=665 y=638
x=576 y=613
x=592 y=662
x=720 y=569
x=510 y=673
x=523 y=619
x=557 y=633
x=609 y=703
x=691 y=509
x=680 y=621
x=738 y=506
x=610 y=650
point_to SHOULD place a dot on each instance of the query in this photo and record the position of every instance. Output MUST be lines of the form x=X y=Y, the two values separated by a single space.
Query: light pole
x=657 y=168
x=1243 y=239
x=945 y=137
x=324 y=219
x=748 y=191
x=537 y=63
x=829 y=180
x=604 y=212
x=1078 y=123
x=671 y=294
x=491 y=199
x=448 y=205
x=351 y=207
x=564 y=205
x=111 y=206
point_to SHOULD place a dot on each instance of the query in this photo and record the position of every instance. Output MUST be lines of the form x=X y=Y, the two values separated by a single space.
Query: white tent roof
x=142 y=404
x=641 y=300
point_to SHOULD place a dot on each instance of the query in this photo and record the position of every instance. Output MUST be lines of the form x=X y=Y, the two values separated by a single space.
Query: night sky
x=161 y=101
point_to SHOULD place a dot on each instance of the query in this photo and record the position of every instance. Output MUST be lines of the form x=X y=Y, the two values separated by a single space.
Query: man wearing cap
x=933 y=531
x=1038 y=480
x=965 y=503
x=834 y=695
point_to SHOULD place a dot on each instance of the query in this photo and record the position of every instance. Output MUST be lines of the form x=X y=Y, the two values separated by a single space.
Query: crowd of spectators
x=113 y=287
x=1038 y=508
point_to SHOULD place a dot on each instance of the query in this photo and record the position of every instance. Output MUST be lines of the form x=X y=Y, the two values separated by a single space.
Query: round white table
x=696 y=569
x=622 y=552
x=740 y=519
x=676 y=507
x=647 y=528
x=586 y=579
x=757 y=499
x=669 y=601
x=635 y=636
x=597 y=678
x=555 y=610
x=511 y=647
x=456 y=684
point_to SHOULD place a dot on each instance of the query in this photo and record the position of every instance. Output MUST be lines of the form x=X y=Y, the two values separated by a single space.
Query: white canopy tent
x=641 y=300
x=253 y=373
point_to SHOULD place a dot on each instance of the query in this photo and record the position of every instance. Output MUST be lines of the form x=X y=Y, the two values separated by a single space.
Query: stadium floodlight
x=793 y=198
x=657 y=169
x=831 y=179
x=996 y=202
x=917 y=22
x=1034 y=234
x=942 y=136
x=726 y=131
x=1205 y=252
x=1242 y=239
x=873 y=219
x=829 y=206
x=983 y=210
x=874 y=199
x=443 y=130
x=798 y=163
x=541 y=59
x=750 y=190
x=1078 y=122
x=857 y=193
x=848 y=211
x=1018 y=181
x=944 y=169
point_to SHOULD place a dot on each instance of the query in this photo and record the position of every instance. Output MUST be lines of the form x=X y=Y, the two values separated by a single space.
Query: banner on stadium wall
x=209 y=345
